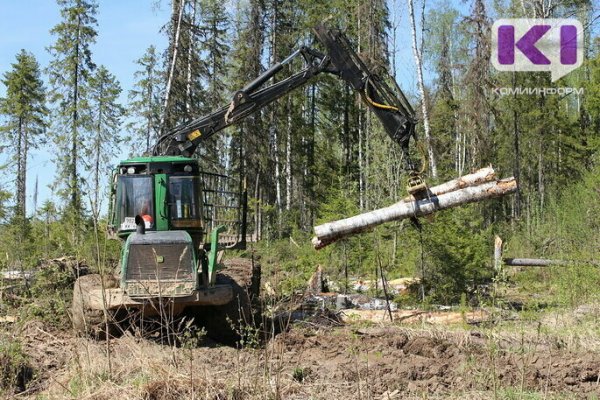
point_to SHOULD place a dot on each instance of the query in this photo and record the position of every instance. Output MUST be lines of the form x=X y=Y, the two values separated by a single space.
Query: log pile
x=478 y=186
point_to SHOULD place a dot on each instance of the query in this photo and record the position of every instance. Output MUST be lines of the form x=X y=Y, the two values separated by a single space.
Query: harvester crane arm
x=387 y=102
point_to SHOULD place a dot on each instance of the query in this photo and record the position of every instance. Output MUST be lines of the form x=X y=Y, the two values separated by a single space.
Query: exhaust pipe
x=140 y=225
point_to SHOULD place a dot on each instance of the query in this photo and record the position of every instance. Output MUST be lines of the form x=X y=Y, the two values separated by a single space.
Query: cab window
x=135 y=197
x=185 y=209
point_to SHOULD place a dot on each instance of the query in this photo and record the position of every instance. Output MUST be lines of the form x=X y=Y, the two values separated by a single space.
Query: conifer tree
x=248 y=152
x=215 y=49
x=105 y=119
x=69 y=73
x=144 y=103
x=25 y=112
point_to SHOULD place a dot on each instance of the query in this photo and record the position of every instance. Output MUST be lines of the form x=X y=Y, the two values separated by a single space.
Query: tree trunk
x=330 y=232
x=97 y=145
x=20 y=210
x=532 y=262
x=74 y=136
x=273 y=120
x=517 y=155
x=188 y=79
x=497 y=254
x=288 y=156
x=421 y=84
x=173 y=62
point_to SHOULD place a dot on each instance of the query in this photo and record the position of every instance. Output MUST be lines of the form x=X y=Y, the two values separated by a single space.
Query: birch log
x=543 y=262
x=533 y=262
x=478 y=177
x=332 y=231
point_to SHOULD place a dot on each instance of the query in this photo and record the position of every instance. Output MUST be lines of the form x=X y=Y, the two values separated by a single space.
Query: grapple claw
x=416 y=186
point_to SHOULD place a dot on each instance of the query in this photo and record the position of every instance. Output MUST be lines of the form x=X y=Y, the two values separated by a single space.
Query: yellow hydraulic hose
x=375 y=104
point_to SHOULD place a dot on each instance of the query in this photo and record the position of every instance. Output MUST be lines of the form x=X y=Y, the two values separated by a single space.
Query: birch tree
x=418 y=56
x=183 y=95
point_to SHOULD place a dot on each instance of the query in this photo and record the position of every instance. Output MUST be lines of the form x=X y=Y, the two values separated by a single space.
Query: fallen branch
x=332 y=231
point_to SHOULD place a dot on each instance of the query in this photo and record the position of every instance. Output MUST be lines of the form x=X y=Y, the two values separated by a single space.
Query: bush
x=15 y=371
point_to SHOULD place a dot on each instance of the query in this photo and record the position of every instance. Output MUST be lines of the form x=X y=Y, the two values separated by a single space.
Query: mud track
x=344 y=362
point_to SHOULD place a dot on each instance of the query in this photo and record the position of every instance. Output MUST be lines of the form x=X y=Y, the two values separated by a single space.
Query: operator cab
x=171 y=193
x=135 y=196
x=165 y=191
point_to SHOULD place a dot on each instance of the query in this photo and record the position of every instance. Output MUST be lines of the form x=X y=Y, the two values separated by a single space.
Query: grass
x=199 y=369
x=132 y=368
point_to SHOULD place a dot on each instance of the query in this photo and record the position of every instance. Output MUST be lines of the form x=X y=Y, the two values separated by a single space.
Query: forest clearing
x=267 y=199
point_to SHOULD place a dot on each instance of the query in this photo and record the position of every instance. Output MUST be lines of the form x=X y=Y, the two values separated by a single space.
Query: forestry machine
x=176 y=220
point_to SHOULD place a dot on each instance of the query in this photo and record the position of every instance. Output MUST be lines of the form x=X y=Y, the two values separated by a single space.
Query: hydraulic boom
x=388 y=103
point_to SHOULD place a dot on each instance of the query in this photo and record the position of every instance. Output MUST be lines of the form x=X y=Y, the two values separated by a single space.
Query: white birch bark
x=535 y=262
x=330 y=232
x=288 y=157
x=273 y=123
x=498 y=255
x=478 y=177
x=188 y=79
x=417 y=53
x=173 y=62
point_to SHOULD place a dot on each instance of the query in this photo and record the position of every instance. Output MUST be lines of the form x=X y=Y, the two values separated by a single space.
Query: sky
x=125 y=30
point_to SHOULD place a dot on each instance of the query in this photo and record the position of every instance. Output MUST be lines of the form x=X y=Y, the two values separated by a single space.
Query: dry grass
x=356 y=361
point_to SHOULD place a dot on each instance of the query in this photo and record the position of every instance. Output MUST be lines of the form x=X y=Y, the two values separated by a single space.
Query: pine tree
x=25 y=111
x=144 y=103
x=69 y=73
x=105 y=119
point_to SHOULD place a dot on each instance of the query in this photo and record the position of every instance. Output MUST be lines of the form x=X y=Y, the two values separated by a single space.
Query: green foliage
x=568 y=230
x=332 y=156
x=69 y=73
x=458 y=251
x=25 y=112
x=50 y=296
x=14 y=366
x=144 y=103
x=183 y=66
x=106 y=116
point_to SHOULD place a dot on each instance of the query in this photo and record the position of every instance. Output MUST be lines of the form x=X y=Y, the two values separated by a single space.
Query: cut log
x=476 y=178
x=532 y=262
x=542 y=262
x=332 y=231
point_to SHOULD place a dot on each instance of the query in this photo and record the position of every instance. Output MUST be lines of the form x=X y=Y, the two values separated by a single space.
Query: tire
x=86 y=320
x=238 y=319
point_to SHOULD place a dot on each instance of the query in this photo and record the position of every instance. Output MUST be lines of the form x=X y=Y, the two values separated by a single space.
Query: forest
x=318 y=154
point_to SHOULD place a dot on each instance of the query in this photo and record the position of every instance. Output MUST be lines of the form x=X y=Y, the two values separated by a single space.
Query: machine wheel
x=89 y=321
x=238 y=319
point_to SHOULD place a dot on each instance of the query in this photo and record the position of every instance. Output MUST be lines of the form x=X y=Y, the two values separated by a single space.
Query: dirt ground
x=312 y=362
